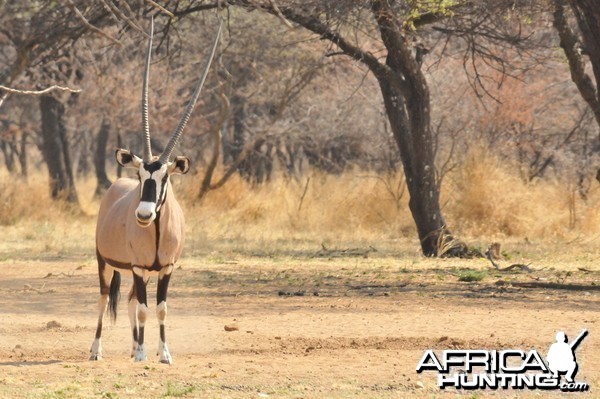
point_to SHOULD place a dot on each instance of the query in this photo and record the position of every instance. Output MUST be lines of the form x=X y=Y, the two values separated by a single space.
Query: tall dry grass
x=482 y=200
x=485 y=197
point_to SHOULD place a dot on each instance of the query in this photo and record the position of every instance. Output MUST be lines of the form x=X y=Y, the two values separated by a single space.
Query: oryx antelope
x=141 y=227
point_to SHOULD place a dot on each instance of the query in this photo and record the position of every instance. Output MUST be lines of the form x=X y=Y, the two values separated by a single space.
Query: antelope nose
x=145 y=213
x=142 y=215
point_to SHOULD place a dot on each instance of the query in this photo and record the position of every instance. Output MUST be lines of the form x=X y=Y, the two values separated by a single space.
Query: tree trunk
x=587 y=13
x=55 y=150
x=417 y=161
x=217 y=134
x=8 y=150
x=23 y=155
x=406 y=97
x=102 y=182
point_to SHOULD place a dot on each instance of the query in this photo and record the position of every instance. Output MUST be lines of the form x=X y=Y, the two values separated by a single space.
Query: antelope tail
x=114 y=295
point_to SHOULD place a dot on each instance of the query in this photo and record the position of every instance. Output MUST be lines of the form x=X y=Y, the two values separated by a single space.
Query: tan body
x=141 y=227
x=122 y=243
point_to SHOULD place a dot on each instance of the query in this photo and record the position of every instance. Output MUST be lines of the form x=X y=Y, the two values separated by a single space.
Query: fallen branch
x=494 y=250
x=325 y=252
x=553 y=286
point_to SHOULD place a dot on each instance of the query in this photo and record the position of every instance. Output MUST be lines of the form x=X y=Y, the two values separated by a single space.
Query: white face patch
x=146 y=207
x=153 y=180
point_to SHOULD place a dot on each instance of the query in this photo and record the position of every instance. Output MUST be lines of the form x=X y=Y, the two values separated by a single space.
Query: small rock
x=419 y=384
x=53 y=324
x=231 y=328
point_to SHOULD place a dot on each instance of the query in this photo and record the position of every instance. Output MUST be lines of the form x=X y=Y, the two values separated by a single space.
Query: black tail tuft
x=114 y=295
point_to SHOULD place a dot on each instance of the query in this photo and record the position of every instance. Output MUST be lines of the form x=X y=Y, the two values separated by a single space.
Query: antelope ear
x=127 y=159
x=180 y=166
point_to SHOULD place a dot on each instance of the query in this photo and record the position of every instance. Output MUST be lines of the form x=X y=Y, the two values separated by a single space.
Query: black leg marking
x=140 y=338
x=163 y=286
x=140 y=291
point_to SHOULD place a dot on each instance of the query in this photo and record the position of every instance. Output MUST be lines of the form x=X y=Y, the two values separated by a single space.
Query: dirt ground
x=309 y=326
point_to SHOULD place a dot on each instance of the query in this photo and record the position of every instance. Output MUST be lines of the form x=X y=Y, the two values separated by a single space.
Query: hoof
x=96 y=350
x=140 y=354
x=164 y=354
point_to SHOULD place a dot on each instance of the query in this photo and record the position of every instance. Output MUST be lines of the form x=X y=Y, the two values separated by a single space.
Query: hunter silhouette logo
x=511 y=368
x=561 y=355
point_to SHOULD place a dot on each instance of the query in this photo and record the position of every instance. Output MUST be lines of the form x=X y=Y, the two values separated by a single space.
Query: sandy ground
x=309 y=327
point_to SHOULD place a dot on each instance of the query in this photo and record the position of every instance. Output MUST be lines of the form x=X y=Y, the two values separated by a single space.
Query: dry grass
x=483 y=201
x=487 y=198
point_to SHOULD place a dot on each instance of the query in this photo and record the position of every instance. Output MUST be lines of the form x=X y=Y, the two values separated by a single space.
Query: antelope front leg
x=161 y=312
x=132 y=311
x=139 y=280
x=105 y=274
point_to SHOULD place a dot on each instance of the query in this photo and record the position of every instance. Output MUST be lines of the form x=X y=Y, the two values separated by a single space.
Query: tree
x=575 y=47
x=405 y=93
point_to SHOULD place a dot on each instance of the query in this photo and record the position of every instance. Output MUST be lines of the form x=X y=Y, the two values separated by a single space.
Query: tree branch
x=315 y=25
x=38 y=92
x=90 y=26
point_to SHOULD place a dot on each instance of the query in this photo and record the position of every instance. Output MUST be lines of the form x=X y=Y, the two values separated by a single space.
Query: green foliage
x=470 y=276
x=178 y=390
x=419 y=8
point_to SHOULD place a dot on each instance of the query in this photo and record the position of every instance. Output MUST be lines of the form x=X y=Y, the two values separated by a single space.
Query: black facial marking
x=152 y=167
x=149 y=191
x=163 y=184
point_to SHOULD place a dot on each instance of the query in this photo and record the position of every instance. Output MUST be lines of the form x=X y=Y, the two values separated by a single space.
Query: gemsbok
x=141 y=227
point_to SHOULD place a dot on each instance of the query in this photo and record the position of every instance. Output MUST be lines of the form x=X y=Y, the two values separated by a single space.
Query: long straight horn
x=147 y=157
x=166 y=154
